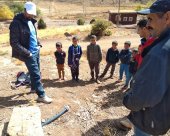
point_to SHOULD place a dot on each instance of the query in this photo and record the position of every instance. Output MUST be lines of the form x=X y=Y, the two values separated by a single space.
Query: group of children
x=128 y=59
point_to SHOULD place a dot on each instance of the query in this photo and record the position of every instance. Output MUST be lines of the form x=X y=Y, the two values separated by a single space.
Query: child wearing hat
x=112 y=57
x=125 y=56
x=60 y=60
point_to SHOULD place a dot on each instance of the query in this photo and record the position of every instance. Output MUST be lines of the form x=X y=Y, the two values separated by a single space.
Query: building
x=123 y=18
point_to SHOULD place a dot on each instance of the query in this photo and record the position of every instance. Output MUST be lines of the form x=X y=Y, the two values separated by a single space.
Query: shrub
x=139 y=7
x=99 y=27
x=38 y=12
x=17 y=8
x=41 y=24
x=5 y=13
x=108 y=33
x=80 y=21
x=92 y=21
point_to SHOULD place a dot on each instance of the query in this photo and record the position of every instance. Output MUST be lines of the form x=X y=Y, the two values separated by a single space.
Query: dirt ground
x=94 y=108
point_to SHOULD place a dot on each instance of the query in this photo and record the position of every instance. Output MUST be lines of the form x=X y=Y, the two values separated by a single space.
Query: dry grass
x=4 y=38
x=2 y=53
x=51 y=32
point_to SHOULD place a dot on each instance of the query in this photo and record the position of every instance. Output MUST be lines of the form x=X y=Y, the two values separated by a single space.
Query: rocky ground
x=94 y=108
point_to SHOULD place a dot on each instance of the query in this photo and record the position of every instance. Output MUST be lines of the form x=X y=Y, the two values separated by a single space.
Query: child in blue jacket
x=74 y=55
x=125 y=56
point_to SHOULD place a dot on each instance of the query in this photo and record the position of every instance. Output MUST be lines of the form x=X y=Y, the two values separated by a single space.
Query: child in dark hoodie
x=60 y=60
x=112 y=57
x=125 y=56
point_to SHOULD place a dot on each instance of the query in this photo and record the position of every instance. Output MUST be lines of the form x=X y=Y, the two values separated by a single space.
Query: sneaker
x=92 y=79
x=101 y=76
x=32 y=91
x=119 y=81
x=97 y=81
x=44 y=99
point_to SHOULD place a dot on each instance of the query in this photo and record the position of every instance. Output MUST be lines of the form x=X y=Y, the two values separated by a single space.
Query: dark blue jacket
x=125 y=56
x=112 y=56
x=74 y=54
x=149 y=96
x=20 y=37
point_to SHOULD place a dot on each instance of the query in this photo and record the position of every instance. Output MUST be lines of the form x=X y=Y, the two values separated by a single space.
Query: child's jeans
x=124 y=68
x=61 y=72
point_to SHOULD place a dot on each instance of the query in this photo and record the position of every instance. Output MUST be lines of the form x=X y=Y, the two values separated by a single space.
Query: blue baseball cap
x=159 y=6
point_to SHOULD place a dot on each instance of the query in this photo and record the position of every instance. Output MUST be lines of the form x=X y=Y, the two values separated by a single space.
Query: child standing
x=112 y=57
x=60 y=60
x=94 y=57
x=125 y=56
x=74 y=55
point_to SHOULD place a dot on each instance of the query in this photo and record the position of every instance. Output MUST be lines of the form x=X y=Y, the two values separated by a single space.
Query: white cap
x=30 y=8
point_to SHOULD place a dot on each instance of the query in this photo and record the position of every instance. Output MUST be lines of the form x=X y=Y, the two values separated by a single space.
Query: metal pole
x=118 y=13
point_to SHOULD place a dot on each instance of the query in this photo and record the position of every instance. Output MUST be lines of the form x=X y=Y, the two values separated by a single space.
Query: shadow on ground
x=114 y=95
x=62 y=84
x=107 y=127
x=12 y=100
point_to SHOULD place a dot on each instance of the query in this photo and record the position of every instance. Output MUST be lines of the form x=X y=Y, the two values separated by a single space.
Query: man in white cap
x=25 y=47
x=149 y=97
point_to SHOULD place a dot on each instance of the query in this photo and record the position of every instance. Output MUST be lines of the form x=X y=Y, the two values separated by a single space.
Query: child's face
x=59 y=48
x=134 y=54
x=126 y=46
x=114 y=46
x=93 y=41
x=75 y=41
x=141 y=31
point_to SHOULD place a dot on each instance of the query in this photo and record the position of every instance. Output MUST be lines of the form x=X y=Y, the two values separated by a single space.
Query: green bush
x=139 y=7
x=17 y=7
x=41 y=24
x=5 y=13
x=38 y=12
x=99 y=27
x=80 y=21
x=108 y=33
x=92 y=21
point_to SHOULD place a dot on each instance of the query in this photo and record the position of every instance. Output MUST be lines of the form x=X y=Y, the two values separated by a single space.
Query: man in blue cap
x=149 y=97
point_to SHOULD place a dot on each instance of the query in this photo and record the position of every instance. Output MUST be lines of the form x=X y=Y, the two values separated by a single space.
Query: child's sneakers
x=98 y=81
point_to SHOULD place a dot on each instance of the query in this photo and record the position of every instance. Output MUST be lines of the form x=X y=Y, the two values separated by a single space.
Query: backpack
x=22 y=79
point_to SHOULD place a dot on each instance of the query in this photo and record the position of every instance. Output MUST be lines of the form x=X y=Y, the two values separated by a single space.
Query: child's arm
x=100 y=54
x=88 y=55
x=69 y=57
x=107 y=56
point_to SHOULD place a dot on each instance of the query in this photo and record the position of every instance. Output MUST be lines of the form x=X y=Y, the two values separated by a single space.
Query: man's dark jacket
x=112 y=56
x=20 y=37
x=149 y=97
